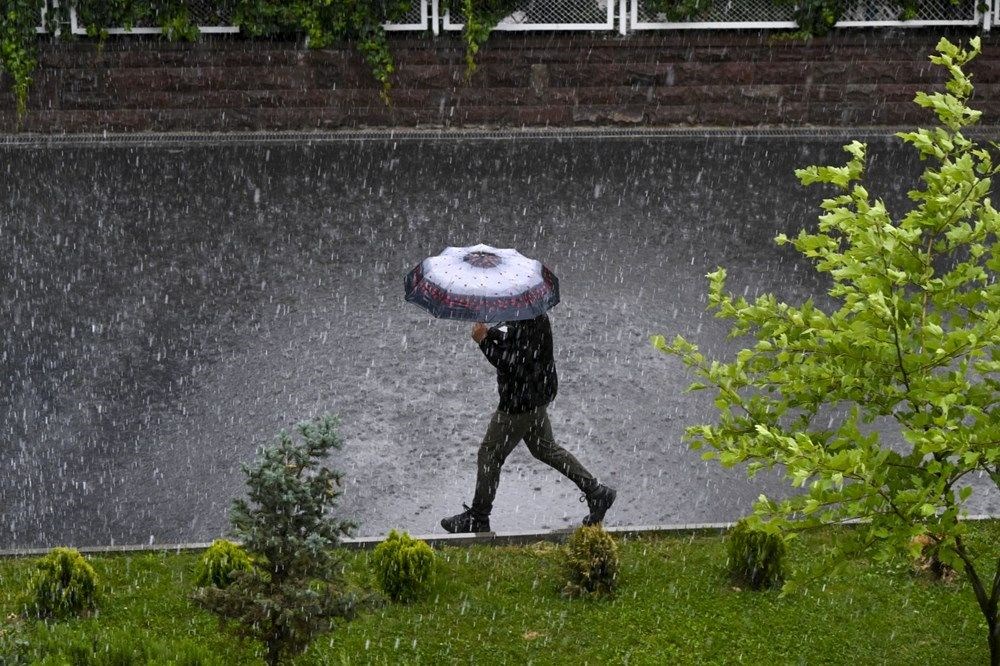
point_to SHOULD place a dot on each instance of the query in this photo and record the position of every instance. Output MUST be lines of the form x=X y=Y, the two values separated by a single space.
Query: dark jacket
x=526 y=370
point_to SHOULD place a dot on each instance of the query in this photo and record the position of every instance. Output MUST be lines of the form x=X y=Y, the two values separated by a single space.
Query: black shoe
x=465 y=522
x=598 y=501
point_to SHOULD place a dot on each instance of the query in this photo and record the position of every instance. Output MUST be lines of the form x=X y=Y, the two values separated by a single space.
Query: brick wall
x=681 y=78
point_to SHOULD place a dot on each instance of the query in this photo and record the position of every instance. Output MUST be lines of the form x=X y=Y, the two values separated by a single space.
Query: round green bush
x=756 y=558
x=63 y=584
x=220 y=562
x=590 y=560
x=403 y=566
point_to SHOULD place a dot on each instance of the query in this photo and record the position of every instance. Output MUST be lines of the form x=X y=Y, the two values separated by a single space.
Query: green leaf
x=907 y=338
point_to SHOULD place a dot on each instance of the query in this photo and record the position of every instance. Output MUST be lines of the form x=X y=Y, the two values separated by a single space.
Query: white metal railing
x=621 y=15
x=209 y=20
x=204 y=15
x=41 y=28
x=717 y=14
x=739 y=14
x=418 y=18
x=551 y=15
x=871 y=13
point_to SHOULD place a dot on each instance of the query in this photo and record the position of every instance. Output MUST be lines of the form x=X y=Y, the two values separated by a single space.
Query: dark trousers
x=503 y=434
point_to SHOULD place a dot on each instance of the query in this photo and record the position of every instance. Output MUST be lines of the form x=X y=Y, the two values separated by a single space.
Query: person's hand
x=479 y=330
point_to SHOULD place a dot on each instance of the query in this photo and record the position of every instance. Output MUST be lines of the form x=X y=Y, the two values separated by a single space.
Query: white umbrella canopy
x=482 y=283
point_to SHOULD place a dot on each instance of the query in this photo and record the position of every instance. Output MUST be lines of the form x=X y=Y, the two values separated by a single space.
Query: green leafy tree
x=912 y=343
x=296 y=589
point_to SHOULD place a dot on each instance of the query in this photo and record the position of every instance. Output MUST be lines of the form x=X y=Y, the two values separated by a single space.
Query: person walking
x=521 y=351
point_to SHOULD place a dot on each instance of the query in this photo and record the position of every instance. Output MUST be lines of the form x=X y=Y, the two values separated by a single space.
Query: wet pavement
x=169 y=308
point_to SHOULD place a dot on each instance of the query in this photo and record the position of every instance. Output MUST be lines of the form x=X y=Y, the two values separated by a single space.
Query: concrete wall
x=736 y=78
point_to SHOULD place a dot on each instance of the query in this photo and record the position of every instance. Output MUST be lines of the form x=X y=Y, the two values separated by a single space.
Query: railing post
x=623 y=21
x=435 y=17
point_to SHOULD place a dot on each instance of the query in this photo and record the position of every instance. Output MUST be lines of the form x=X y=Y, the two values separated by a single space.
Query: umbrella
x=482 y=283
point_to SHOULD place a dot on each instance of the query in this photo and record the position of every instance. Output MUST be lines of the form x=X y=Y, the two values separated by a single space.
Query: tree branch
x=977 y=584
x=995 y=592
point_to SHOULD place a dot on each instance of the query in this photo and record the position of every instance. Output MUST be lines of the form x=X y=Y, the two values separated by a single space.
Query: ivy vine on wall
x=18 y=45
x=479 y=17
x=173 y=16
x=323 y=22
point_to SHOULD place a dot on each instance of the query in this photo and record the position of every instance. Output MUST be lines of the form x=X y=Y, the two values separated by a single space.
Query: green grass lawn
x=502 y=605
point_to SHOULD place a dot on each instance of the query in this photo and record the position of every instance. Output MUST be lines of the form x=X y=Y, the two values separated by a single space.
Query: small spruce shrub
x=404 y=566
x=590 y=561
x=220 y=563
x=297 y=588
x=756 y=559
x=64 y=584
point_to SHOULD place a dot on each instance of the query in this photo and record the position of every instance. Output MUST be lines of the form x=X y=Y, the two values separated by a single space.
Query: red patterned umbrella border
x=446 y=305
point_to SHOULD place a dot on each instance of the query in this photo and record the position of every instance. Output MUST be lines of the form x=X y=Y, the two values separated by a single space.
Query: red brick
x=653 y=78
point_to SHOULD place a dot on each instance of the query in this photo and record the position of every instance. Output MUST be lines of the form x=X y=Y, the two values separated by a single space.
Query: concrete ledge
x=34 y=140
x=624 y=533
x=435 y=540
